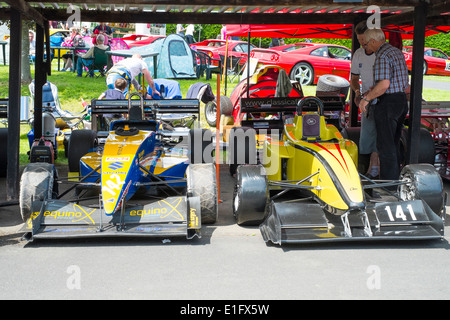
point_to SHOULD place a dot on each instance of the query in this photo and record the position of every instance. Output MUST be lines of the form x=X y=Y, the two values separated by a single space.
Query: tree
x=26 y=70
x=27 y=25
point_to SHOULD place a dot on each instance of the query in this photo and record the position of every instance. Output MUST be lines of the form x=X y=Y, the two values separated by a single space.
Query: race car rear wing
x=288 y=104
x=151 y=107
x=282 y=107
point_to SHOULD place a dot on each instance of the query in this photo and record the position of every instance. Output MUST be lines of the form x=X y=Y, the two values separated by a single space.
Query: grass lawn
x=71 y=89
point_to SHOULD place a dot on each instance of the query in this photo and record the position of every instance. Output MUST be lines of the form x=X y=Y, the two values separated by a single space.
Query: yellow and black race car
x=305 y=187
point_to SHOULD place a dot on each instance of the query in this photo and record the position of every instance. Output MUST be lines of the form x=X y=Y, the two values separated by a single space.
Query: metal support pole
x=39 y=80
x=15 y=56
x=415 y=106
x=353 y=112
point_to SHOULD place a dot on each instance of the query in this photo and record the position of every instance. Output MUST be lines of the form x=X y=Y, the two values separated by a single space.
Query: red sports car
x=215 y=48
x=306 y=62
x=141 y=40
x=436 y=62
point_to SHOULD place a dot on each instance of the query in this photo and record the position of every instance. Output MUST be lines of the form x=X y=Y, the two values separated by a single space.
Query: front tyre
x=424 y=183
x=250 y=195
x=38 y=182
x=202 y=182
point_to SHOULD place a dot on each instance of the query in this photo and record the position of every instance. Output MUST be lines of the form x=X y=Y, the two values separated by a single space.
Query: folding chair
x=234 y=68
x=51 y=104
x=97 y=63
x=205 y=64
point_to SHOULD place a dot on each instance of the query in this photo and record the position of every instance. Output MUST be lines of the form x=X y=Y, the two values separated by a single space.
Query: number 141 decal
x=400 y=214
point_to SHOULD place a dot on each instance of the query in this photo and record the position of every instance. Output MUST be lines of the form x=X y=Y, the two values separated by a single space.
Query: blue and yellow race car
x=149 y=150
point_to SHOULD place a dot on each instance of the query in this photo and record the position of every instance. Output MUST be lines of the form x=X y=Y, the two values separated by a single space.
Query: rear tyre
x=38 y=182
x=242 y=149
x=200 y=146
x=425 y=184
x=250 y=195
x=81 y=141
x=427 y=152
x=202 y=182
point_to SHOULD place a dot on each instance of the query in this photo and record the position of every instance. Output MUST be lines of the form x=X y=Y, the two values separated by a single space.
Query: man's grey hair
x=100 y=38
x=375 y=34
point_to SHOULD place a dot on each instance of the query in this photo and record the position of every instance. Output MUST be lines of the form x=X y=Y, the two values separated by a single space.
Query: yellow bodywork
x=118 y=156
x=331 y=160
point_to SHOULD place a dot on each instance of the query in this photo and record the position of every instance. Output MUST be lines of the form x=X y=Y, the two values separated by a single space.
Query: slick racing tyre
x=426 y=149
x=202 y=182
x=250 y=195
x=424 y=183
x=329 y=82
x=200 y=146
x=38 y=182
x=81 y=141
x=242 y=147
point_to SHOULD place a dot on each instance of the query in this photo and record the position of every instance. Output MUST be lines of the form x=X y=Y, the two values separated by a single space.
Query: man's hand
x=363 y=106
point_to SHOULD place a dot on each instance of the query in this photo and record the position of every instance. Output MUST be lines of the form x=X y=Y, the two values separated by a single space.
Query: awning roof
x=225 y=12
x=335 y=31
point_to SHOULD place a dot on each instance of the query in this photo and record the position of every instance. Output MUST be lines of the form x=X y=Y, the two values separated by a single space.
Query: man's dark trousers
x=390 y=113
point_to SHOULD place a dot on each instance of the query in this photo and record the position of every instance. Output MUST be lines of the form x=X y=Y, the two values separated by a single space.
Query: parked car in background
x=238 y=50
x=436 y=62
x=306 y=62
x=136 y=40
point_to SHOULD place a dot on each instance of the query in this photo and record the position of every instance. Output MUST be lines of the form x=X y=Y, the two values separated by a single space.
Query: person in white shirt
x=129 y=69
x=190 y=34
x=362 y=70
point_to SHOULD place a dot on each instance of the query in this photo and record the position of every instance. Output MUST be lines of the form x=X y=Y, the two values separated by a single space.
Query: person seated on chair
x=71 y=41
x=86 y=59
x=114 y=94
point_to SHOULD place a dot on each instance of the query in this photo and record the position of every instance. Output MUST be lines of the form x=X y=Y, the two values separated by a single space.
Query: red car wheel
x=303 y=73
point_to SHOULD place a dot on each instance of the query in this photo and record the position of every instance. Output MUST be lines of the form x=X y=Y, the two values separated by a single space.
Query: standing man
x=190 y=34
x=362 y=69
x=391 y=82
x=180 y=30
x=129 y=69
x=103 y=29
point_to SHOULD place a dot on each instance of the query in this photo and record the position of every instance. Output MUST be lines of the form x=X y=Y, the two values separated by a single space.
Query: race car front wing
x=307 y=223
x=169 y=217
